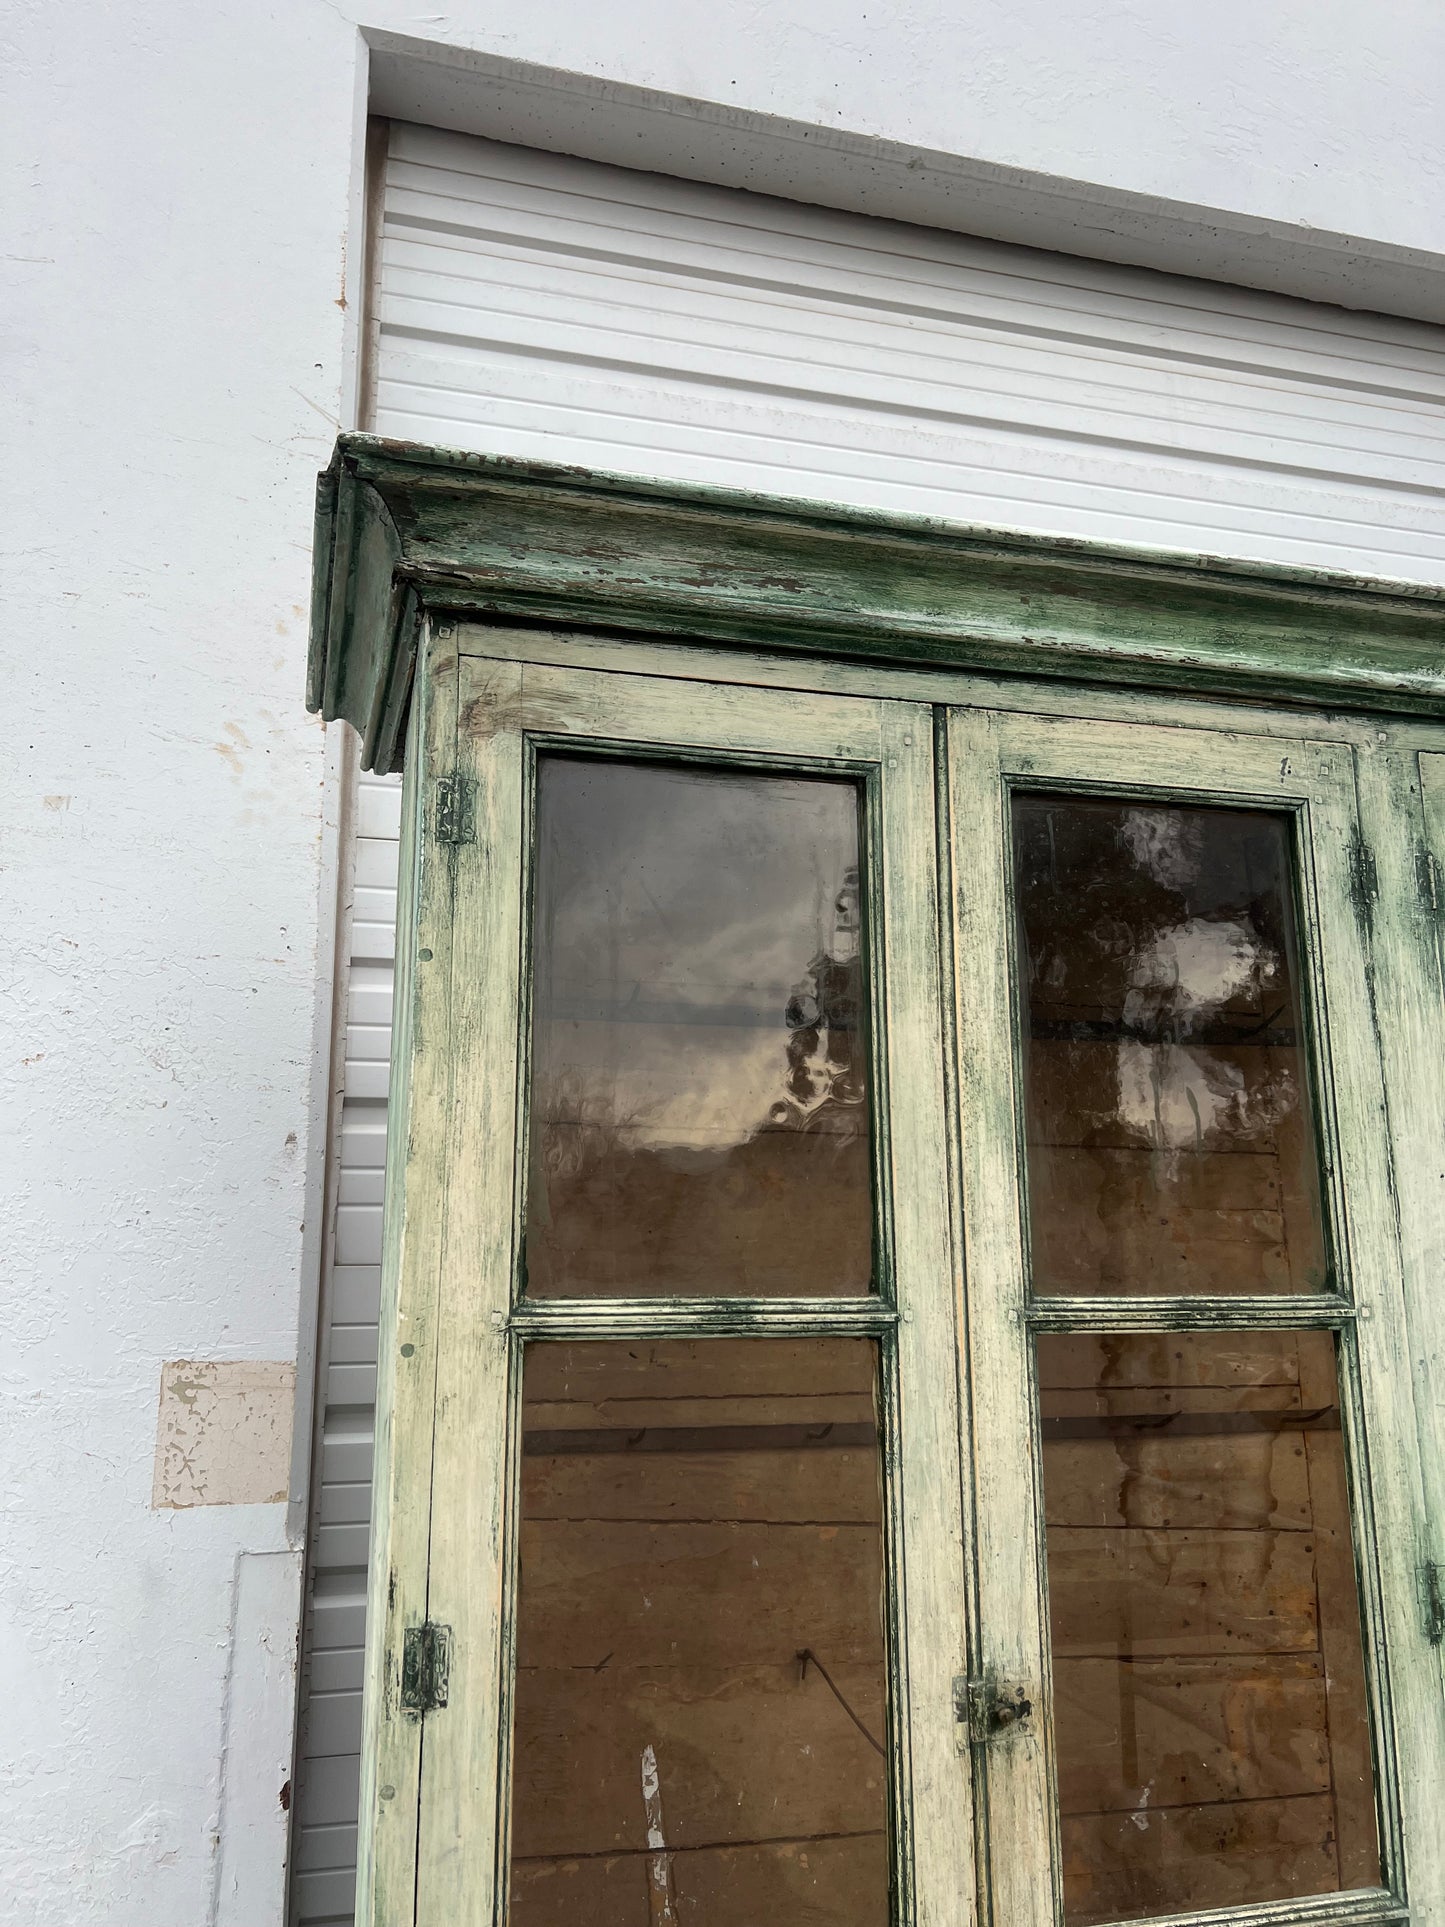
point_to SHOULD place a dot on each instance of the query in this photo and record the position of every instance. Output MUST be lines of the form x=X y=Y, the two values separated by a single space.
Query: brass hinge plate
x=426 y=1658
x=456 y=810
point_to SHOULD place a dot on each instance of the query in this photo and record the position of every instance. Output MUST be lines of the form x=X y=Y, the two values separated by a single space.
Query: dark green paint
x=404 y=530
x=1364 y=882
x=1432 y=1601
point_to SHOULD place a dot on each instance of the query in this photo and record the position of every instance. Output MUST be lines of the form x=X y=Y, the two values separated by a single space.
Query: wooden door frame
x=455 y=1318
x=1168 y=759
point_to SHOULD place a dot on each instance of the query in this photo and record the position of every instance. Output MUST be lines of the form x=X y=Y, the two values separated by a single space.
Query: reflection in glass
x=700 y=1697
x=1212 y=1738
x=1170 y=1141
x=699 y=1115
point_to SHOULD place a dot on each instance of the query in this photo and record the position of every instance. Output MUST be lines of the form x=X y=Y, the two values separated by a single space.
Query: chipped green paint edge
x=403 y=530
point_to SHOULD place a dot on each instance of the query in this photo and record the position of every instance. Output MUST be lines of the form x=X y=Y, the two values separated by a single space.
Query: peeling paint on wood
x=403 y=529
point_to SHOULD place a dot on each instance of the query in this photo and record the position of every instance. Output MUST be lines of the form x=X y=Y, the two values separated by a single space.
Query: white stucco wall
x=1316 y=112
x=178 y=358
x=174 y=363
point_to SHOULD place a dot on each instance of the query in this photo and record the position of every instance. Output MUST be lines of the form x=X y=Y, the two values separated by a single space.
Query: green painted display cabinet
x=913 y=1321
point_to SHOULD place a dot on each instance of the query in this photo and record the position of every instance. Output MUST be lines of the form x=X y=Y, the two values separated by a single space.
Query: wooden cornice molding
x=403 y=531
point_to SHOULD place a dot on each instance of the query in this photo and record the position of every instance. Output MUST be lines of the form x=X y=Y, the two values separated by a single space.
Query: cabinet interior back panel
x=535 y=305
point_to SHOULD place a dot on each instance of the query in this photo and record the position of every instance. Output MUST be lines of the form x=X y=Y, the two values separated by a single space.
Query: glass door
x=1195 y=1486
x=901 y=1403
x=695 y=1505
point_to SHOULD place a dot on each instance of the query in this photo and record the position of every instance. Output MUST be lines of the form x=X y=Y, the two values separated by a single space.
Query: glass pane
x=1212 y=1733
x=700 y=1056
x=700 y=1699
x=1170 y=1134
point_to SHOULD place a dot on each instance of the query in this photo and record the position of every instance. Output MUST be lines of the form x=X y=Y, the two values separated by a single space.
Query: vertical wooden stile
x=416 y=1187
x=1010 y=1644
x=460 y=1822
x=935 y=1793
x=1381 y=1041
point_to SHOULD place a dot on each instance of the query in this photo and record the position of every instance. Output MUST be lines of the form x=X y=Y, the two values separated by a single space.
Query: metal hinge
x=1432 y=1601
x=1364 y=882
x=456 y=811
x=988 y=1708
x=426 y=1657
x=1427 y=877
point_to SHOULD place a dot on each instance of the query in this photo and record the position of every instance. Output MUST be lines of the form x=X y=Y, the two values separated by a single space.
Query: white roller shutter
x=324 y=1831
x=530 y=304
x=535 y=305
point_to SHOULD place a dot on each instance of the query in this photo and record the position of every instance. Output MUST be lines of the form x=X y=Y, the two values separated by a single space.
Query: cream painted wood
x=417 y=1178
x=699 y=662
x=506 y=709
x=1432 y=790
x=935 y=1791
x=1015 y=1772
x=1402 y=808
x=456 y=1852
x=1417 y=1131
x=989 y=754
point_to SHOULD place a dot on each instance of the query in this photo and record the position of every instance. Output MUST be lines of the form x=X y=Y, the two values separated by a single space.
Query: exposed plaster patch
x=224 y=1432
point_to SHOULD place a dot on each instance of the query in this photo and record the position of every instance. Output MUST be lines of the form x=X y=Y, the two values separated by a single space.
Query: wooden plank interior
x=1213 y=1744
x=625 y=1219
x=701 y=1601
x=1241 y=1218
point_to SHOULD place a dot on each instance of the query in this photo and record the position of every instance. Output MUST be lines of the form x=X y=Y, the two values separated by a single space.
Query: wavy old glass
x=1170 y=1137
x=701 y=1690
x=699 y=1095
x=1211 y=1732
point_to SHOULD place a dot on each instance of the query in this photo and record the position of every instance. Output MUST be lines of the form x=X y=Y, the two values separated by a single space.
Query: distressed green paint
x=402 y=529
x=435 y=1846
x=417 y=1173
x=839 y=624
